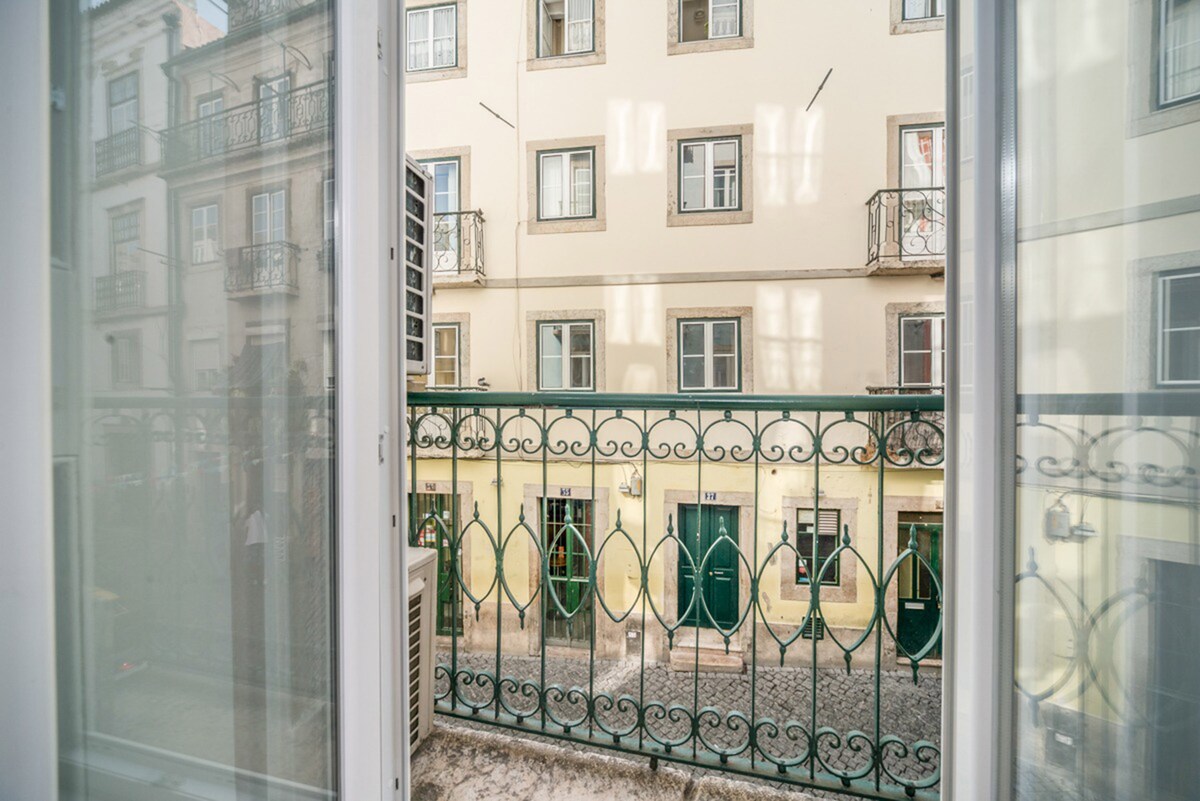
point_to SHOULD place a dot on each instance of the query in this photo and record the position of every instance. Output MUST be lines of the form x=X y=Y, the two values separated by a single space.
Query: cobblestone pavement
x=846 y=702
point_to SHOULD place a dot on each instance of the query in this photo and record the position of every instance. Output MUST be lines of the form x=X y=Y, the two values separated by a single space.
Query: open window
x=565 y=27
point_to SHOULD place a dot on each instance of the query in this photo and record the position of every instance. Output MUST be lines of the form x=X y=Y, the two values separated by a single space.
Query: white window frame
x=123 y=256
x=565 y=358
x=415 y=33
x=273 y=93
x=713 y=4
x=211 y=131
x=1163 y=307
x=205 y=232
x=709 y=355
x=567 y=186
x=446 y=222
x=934 y=9
x=937 y=338
x=1163 y=55
x=543 y=15
x=275 y=202
x=709 y=146
x=455 y=357
x=124 y=105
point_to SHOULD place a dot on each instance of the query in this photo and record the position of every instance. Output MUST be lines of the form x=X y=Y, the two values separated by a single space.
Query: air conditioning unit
x=417 y=292
x=422 y=619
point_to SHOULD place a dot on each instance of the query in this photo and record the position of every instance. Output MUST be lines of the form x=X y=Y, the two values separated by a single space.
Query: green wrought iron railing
x=603 y=555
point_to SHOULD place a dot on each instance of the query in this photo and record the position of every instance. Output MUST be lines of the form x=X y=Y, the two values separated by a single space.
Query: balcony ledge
x=463 y=279
x=503 y=767
x=894 y=265
x=257 y=292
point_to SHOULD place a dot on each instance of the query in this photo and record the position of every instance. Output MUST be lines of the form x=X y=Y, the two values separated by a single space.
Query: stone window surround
x=846 y=591
x=463 y=321
x=900 y=25
x=595 y=316
x=676 y=47
x=610 y=636
x=745 y=503
x=1144 y=114
x=459 y=70
x=571 y=225
x=893 y=312
x=595 y=56
x=745 y=176
x=1141 y=357
x=745 y=344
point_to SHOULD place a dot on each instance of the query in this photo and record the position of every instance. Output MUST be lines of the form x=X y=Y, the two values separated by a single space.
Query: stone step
x=711 y=660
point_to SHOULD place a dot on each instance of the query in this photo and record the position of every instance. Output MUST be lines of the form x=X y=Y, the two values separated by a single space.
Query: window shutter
x=418 y=251
x=828 y=523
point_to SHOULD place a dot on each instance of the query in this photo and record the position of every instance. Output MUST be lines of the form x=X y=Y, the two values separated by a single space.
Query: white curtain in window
x=579 y=26
x=581 y=184
x=1180 y=49
x=552 y=182
x=444 y=37
x=724 y=19
x=418 y=40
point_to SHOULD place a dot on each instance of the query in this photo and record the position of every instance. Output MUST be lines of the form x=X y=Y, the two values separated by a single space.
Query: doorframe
x=744 y=501
x=466 y=502
x=893 y=507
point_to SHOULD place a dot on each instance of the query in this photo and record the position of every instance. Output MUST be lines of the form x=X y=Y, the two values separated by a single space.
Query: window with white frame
x=922 y=350
x=268 y=217
x=1179 y=329
x=565 y=27
x=446 y=229
x=827 y=536
x=710 y=355
x=212 y=126
x=924 y=9
x=126 y=238
x=204 y=233
x=701 y=20
x=447 y=362
x=1179 y=51
x=273 y=115
x=709 y=174
x=126 y=358
x=123 y=103
x=566 y=185
x=432 y=38
x=922 y=190
x=566 y=355
x=206 y=365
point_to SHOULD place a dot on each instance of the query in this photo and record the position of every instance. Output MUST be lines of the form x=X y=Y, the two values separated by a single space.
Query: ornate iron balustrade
x=118 y=151
x=258 y=267
x=458 y=243
x=909 y=438
x=246 y=12
x=561 y=595
x=121 y=291
x=298 y=112
x=906 y=224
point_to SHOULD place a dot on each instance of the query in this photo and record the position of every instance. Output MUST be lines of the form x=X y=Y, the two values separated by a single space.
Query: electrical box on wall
x=418 y=274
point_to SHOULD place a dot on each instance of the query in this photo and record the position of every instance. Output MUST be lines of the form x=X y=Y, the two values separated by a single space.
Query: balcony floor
x=460 y=763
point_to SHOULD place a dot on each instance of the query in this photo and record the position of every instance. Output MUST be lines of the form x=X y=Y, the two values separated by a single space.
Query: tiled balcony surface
x=458 y=763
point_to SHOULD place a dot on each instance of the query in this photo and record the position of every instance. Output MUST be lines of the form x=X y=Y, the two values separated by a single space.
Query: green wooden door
x=432 y=523
x=568 y=544
x=918 y=596
x=699 y=529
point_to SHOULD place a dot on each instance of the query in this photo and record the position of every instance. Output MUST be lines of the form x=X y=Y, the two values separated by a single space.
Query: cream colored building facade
x=812 y=291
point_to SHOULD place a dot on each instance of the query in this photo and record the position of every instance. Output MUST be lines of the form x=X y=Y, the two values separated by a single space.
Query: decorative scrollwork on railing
x=119 y=151
x=906 y=224
x=458 y=243
x=121 y=291
x=268 y=266
x=283 y=116
x=517 y=582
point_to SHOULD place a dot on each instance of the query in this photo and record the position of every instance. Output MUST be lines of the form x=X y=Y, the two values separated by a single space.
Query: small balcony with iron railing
x=285 y=117
x=909 y=432
x=458 y=247
x=120 y=292
x=262 y=269
x=118 y=152
x=906 y=232
x=248 y=12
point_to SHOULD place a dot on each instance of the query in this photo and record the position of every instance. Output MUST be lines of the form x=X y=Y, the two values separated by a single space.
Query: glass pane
x=581 y=184
x=693 y=339
x=1180 y=50
x=552 y=186
x=1107 y=698
x=196 y=600
x=724 y=372
x=1182 y=299
x=922 y=158
x=916 y=334
x=551 y=356
x=692 y=373
x=724 y=338
x=581 y=340
x=693 y=176
x=917 y=369
x=724 y=21
x=581 y=372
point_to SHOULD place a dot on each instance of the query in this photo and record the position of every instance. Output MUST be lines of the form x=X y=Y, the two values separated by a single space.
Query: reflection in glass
x=192 y=331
